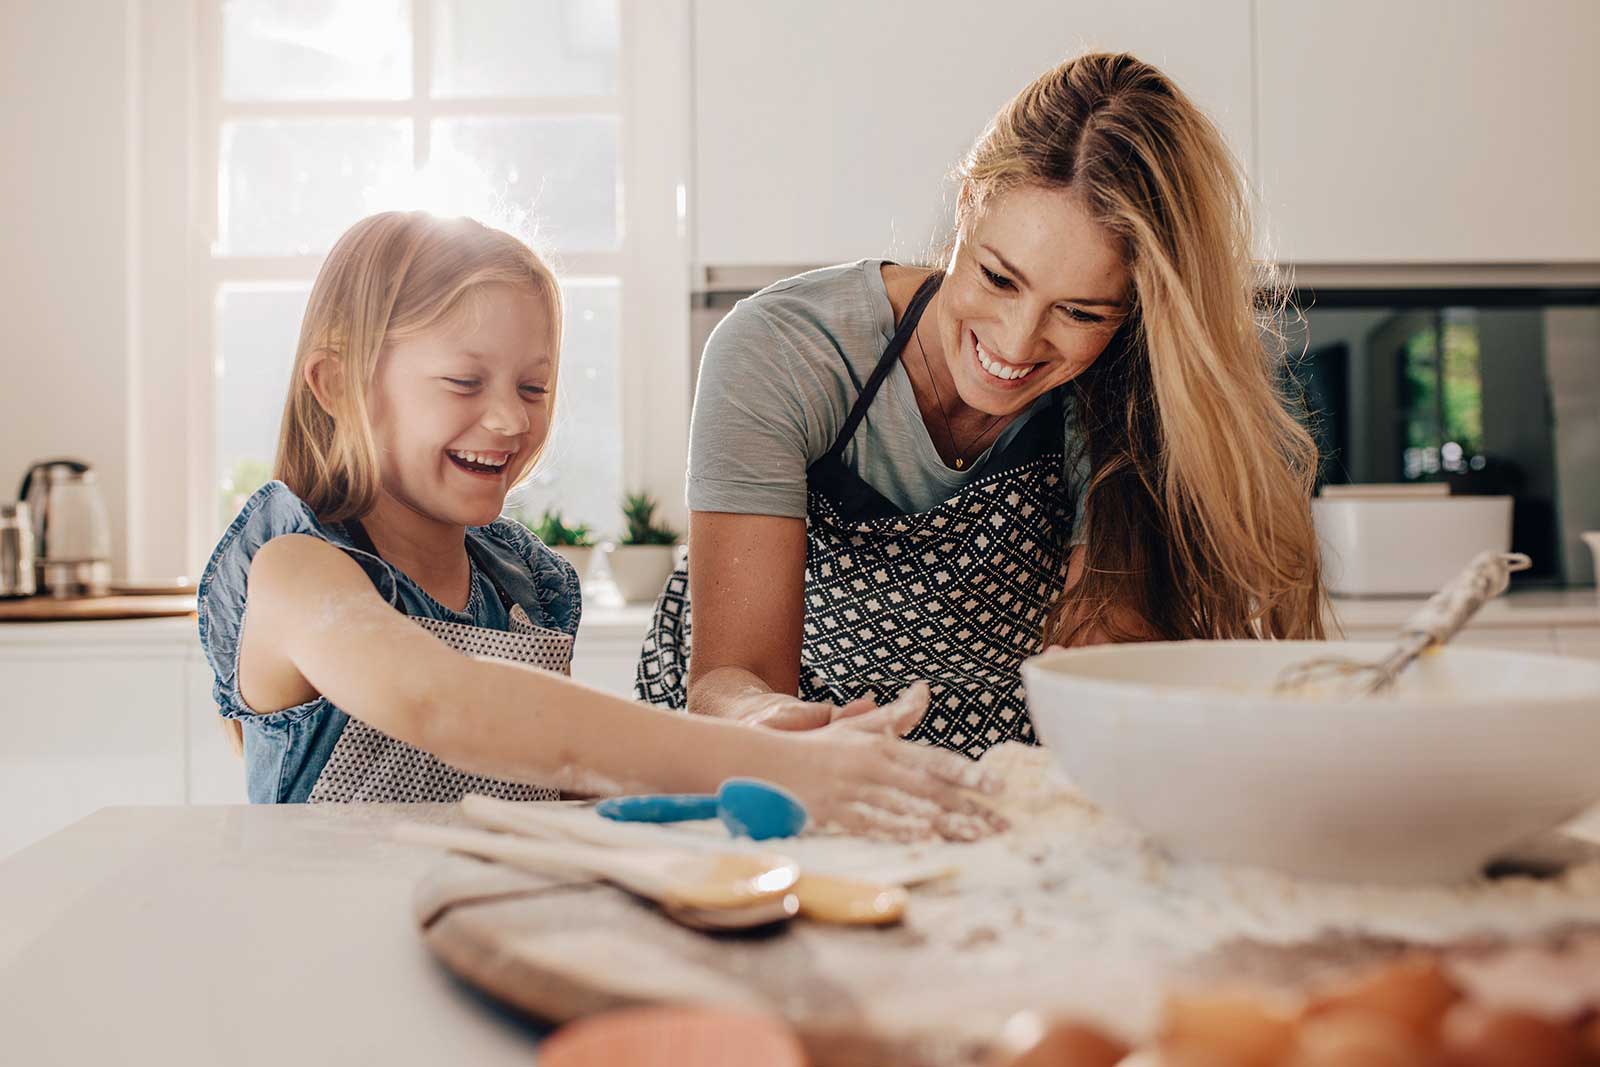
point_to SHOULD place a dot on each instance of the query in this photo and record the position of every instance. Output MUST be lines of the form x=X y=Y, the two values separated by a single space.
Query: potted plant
x=643 y=557
x=573 y=543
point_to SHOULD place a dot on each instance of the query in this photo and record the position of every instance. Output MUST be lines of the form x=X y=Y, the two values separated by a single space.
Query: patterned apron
x=956 y=595
x=369 y=766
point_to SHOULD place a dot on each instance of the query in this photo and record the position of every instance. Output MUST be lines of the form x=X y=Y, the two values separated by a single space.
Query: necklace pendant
x=960 y=463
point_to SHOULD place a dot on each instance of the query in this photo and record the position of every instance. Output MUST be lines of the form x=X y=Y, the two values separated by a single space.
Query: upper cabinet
x=1430 y=130
x=826 y=131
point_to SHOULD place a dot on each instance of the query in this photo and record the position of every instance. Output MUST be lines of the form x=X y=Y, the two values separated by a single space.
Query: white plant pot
x=579 y=556
x=640 y=571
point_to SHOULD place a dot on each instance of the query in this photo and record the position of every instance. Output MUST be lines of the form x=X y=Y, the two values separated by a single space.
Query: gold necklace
x=961 y=453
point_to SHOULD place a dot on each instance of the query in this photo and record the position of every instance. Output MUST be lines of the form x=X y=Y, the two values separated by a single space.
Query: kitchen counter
x=1530 y=608
x=273 y=935
x=233 y=935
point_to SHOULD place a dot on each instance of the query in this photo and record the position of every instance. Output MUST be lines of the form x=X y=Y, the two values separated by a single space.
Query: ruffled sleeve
x=272 y=511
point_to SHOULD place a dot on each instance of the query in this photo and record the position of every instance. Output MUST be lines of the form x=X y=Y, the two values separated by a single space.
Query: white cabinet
x=104 y=713
x=825 y=131
x=1430 y=130
x=84 y=725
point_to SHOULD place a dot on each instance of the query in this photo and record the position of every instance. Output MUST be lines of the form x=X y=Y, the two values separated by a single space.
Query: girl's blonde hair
x=1198 y=509
x=390 y=277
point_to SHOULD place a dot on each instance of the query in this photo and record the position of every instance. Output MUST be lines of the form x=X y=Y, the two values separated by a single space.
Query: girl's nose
x=507 y=416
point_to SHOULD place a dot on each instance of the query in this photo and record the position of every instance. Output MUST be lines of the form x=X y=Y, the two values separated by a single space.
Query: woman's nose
x=1019 y=330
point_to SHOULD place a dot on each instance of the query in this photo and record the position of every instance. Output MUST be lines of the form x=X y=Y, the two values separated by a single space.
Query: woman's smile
x=1006 y=374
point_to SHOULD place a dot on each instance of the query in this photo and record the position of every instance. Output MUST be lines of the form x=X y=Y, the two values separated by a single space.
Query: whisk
x=1435 y=623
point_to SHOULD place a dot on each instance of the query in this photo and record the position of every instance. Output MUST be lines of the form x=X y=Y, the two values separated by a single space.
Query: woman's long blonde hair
x=391 y=276
x=1198 y=509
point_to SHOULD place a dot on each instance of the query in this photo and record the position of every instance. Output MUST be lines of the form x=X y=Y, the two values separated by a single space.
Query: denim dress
x=524 y=605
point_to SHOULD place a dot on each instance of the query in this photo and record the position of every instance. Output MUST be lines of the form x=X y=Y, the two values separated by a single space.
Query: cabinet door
x=84 y=731
x=216 y=772
x=1430 y=130
x=825 y=131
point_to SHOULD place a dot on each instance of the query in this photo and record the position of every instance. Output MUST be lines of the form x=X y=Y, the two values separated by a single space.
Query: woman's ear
x=324 y=373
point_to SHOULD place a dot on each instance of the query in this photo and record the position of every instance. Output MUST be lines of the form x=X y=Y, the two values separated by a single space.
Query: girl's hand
x=857 y=775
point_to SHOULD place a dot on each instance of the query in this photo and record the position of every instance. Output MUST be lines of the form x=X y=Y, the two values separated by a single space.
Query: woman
x=1070 y=434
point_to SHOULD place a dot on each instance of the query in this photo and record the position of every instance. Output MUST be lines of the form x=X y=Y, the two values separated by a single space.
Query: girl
x=1068 y=432
x=381 y=635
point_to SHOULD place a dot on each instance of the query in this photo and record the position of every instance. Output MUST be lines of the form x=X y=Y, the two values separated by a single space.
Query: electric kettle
x=71 y=536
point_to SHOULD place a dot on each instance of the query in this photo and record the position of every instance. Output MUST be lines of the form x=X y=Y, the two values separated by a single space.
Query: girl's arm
x=316 y=625
x=747 y=585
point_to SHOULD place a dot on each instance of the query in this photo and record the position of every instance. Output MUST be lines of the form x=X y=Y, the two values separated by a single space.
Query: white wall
x=66 y=194
x=825 y=131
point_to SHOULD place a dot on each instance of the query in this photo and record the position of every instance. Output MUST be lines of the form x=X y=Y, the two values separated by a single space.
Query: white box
x=1395 y=545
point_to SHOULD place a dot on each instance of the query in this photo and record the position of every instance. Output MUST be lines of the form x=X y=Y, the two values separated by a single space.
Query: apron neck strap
x=886 y=362
x=363 y=542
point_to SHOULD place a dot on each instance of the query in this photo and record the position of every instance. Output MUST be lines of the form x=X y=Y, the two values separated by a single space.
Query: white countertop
x=1535 y=608
x=247 y=936
x=598 y=623
x=602 y=622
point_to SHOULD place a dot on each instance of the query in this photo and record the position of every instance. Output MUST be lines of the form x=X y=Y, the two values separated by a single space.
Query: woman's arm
x=315 y=624
x=747 y=585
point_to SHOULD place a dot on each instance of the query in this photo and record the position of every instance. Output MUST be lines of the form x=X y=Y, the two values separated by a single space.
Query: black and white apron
x=368 y=766
x=956 y=595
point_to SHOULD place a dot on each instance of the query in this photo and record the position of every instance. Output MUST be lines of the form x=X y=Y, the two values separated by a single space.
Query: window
x=324 y=111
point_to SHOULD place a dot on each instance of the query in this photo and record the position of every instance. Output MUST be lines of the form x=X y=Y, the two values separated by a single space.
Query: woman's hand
x=857 y=775
x=778 y=711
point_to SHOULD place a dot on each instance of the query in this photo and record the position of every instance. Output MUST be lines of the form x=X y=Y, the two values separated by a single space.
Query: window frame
x=651 y=262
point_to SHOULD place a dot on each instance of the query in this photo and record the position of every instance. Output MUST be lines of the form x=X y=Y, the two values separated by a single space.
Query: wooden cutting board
x=863 y=997
x=50 y=609
x=1068 y=913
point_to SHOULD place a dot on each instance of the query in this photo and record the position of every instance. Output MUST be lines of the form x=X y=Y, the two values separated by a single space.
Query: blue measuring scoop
x=748 y=807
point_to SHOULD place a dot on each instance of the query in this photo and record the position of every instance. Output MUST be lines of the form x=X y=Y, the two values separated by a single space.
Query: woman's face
x=1033 y=294
x=458 y=410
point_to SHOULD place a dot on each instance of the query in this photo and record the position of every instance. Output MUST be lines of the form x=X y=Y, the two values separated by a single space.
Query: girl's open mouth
x=487 y=464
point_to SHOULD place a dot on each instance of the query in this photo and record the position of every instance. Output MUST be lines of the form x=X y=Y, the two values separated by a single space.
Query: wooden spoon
x=823 y=897
x=673 y=878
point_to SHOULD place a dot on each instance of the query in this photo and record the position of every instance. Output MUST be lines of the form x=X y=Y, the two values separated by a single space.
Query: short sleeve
x=272 y=511
x=754 y=426
x=544 y=583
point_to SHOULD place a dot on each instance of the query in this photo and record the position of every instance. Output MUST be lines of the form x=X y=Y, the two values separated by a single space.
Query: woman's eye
x=1079 y=315
x=994 y=279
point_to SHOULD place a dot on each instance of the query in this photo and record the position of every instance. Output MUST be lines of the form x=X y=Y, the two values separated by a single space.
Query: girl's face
x=458 y=410
x=1033 y=294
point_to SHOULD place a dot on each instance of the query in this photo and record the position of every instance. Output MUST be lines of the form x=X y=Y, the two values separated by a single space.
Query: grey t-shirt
x=777 y=381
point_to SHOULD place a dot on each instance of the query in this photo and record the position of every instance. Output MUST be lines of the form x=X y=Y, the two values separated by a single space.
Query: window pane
x=580 y=474
x=316 y=49
x=559 y=172
x=293 y=186
x=524 y=47
x=257 y=328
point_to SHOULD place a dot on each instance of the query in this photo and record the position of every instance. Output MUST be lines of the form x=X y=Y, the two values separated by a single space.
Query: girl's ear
x=324 y=373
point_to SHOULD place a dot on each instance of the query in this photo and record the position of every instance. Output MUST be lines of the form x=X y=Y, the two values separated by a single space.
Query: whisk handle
x=1448 y=610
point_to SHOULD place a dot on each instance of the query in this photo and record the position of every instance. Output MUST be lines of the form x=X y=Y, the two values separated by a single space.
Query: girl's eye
x=534 y=390
x=996 y=280
x=463 y=383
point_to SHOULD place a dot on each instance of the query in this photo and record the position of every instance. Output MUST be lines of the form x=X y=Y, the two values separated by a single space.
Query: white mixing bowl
x=1473 y=752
